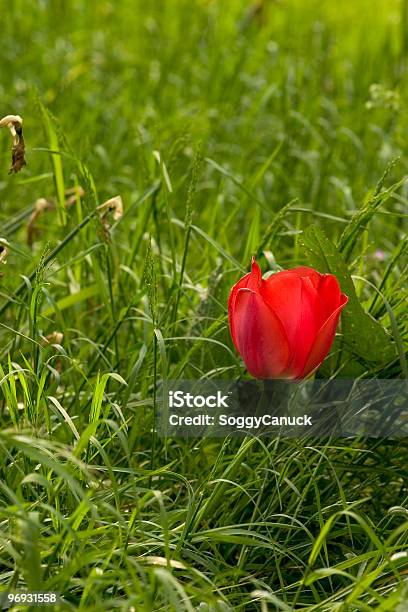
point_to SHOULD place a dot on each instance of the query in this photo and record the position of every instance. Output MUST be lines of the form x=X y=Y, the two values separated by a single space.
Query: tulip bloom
x=283 y=327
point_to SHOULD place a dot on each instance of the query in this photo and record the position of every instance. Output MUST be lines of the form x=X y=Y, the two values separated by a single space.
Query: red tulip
x=283 y=327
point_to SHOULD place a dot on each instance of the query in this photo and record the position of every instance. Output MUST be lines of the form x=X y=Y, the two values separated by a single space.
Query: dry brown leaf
x=15 y=124
x=55 y=337
x=44 y=204
x=3 y=253
x=40 y=206
x=114 y=205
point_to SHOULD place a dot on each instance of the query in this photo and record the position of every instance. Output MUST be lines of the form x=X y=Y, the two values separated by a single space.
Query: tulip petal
x=308 y=327
x=321 y=297
x=252 y=281
x=293 y=298
x=283 y=293
x=306 y=272
x=324 y=339
x=329 y=298
x=328 y=291
x=260 y=336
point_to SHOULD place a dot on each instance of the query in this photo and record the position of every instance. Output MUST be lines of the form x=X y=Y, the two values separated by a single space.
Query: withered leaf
x=18 y=157
x=15 y=124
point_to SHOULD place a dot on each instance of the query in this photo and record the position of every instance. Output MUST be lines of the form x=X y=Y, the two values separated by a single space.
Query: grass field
x=229 y=129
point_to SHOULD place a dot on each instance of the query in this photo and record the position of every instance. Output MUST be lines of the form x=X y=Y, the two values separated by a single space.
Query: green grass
x=227 y=131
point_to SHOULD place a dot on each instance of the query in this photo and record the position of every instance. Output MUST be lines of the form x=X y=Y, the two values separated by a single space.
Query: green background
x=229 y=129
